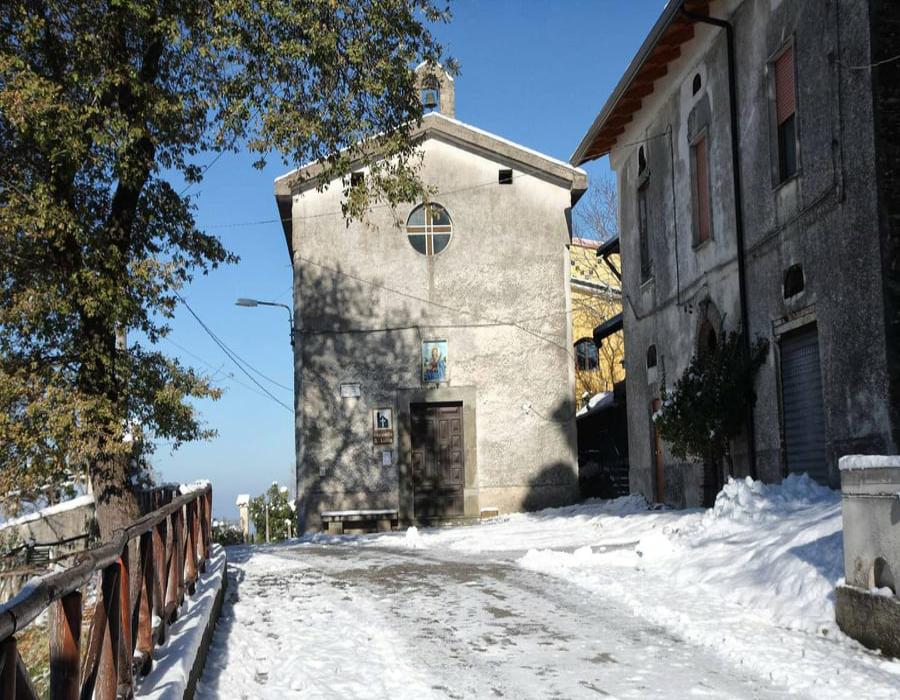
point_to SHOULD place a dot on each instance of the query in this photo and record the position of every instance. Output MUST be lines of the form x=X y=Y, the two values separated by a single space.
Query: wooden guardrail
x=142 y=578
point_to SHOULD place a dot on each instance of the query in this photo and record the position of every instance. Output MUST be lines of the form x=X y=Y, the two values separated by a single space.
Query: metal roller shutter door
x=802 y=403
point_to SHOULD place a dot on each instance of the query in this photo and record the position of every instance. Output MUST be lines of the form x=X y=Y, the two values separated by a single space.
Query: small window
x=786 y=114
x=429 y=229
x=651 y=357
x=586 y=356
x=793 y=281
x=642 y=160
x=505 y=177
x=357 y=179
x=702 y=217
x=697 y=84
x=644 y=233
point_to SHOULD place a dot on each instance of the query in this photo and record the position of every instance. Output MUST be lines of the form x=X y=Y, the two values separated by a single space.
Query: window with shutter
x=786 y=113
x=701 y=191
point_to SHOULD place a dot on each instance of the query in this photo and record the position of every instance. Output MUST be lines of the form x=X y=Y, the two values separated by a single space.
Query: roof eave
x=466 y=136
x=585 y=151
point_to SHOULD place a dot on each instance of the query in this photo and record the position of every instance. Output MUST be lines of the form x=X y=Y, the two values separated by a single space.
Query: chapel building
x=433 y=351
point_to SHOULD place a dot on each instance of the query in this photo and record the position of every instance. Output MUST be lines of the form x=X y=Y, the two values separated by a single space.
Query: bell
x=430 y=99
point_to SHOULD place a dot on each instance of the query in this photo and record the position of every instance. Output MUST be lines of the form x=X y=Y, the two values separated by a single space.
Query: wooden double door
x=438 y=460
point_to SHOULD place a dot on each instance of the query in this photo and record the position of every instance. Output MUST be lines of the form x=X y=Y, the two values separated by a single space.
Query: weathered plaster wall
x=824 y=219
x=498 y=293
x=884 y=20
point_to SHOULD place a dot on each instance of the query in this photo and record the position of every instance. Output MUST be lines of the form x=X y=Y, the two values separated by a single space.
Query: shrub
x=708 y=404
x=225 y=533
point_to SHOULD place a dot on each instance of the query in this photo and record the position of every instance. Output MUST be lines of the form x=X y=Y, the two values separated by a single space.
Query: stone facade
x=832 y=227
x=365 y=300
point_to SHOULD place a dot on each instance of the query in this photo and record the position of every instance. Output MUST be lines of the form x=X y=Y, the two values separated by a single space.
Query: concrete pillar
x=243 y=504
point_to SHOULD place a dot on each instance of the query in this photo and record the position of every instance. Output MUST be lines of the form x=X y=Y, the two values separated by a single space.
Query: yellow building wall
x=596 y=297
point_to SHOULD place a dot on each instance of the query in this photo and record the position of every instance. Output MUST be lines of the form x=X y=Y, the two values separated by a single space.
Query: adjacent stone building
x=433 y=355
x=755 y=147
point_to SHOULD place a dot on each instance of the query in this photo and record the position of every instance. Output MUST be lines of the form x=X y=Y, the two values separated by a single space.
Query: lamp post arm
x=286 y=308
x=258 y=302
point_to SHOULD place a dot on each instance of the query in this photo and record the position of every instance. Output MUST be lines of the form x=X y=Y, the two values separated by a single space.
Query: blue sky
x=534 y=72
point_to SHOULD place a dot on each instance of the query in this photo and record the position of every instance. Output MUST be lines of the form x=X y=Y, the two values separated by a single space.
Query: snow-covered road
x=347 y=621
x=606 y=597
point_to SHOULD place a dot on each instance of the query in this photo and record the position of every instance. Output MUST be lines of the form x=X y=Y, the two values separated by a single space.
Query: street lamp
x=257 y=302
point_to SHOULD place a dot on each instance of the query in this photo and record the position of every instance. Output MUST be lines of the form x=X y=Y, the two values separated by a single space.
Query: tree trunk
x=115 y=502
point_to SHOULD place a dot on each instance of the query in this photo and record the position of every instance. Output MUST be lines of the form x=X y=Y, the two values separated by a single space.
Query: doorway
x=438 y=459
x=803 y=409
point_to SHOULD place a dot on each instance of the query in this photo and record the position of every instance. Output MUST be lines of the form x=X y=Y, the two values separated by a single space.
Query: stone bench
x=334 y=521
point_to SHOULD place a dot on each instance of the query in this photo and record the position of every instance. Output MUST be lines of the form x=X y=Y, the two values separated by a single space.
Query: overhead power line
x=447 y=307
x=232 y=356
x=228 y=376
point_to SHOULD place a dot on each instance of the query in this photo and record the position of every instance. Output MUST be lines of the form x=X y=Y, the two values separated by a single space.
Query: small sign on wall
x=383 y=426
x=350 y=391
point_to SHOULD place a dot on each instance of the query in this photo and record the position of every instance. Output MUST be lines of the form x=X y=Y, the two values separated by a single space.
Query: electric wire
x=228 y=376
x=250 y=366
x=230 y=354
x=447 y=307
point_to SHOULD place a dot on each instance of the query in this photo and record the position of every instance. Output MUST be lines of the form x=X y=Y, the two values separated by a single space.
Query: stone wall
x=824 y=219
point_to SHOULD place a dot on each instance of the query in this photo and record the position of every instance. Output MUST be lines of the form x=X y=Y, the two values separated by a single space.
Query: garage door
x=802 y=403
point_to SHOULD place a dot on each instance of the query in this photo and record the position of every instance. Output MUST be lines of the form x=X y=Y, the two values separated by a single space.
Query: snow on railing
x=142 y=577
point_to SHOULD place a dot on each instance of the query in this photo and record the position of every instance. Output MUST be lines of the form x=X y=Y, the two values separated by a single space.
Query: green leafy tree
x=104 y=106
x=707 y=406
x=280 y=513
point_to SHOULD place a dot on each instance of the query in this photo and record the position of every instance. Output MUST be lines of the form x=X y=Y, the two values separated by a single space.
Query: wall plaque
x=350 y=391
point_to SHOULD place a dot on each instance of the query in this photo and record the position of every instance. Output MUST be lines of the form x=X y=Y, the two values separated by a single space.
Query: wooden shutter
x=785 y=93
x=701 y=189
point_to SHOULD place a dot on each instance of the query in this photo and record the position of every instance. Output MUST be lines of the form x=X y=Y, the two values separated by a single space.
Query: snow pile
x=569 y=526
x=752 y=578
x=745 y=500
x=413 y=540
x=777 y=550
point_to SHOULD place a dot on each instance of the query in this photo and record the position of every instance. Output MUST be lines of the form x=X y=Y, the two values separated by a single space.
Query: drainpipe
x=738 y=209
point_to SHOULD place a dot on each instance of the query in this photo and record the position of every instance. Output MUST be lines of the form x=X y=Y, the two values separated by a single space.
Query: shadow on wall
x=346 y=337
x=556 y=484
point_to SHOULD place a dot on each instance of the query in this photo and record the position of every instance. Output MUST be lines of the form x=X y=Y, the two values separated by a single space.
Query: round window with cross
x=429 y=228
